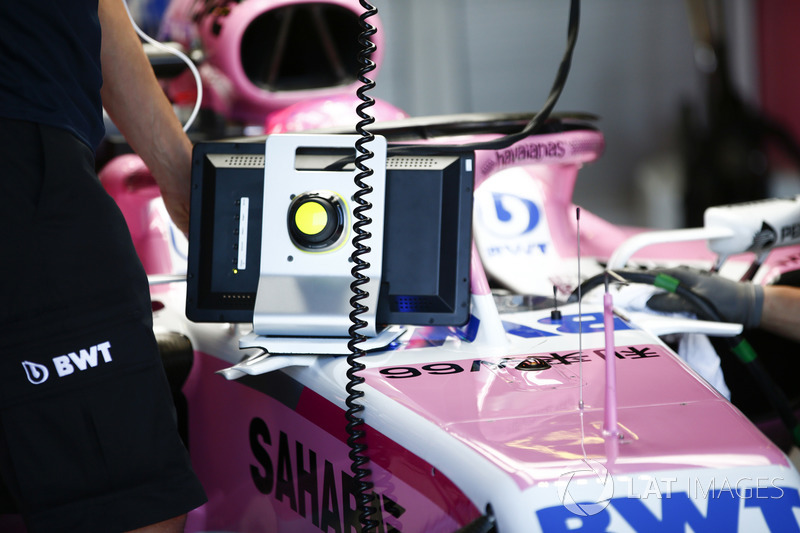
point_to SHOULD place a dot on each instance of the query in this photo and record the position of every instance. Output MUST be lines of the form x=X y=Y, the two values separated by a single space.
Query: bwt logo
x=516 y=215
x=669 y=504
x=65 y=365
x=589 y=484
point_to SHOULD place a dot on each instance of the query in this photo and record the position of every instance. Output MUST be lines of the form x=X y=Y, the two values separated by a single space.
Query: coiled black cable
x=737 y=344
x=356 y=435
x=536 y=125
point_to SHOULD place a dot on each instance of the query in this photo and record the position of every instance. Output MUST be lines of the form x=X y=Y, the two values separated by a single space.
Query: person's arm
x=781 y=311
x=739 y=302
x=139 y=108
x=773 y=308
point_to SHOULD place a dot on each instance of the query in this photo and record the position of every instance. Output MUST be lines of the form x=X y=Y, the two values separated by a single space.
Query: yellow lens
x=311 y=218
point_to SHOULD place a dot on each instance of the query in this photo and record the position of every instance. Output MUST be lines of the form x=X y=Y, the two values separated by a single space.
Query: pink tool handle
x=610 y=418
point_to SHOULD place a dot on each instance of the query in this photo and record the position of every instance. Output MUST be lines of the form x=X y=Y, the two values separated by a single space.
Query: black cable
x=737 y=344
x=356 y=434
x=485 y=523
x=534 y=125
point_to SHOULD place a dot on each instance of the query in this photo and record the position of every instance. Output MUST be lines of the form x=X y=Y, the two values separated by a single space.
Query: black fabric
x=50 y=65
x=64 y=241
x=88 y=439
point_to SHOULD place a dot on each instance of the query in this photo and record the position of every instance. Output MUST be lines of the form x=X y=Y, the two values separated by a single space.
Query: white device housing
x=756 y=226
x=304 y=293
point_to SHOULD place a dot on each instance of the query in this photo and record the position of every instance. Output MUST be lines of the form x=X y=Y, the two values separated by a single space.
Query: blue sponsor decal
x=469 y=331
x=526 y=332
x=506 y=216
x=678 y=511
x=568 y=324
x=432 y=336
x=585 y=323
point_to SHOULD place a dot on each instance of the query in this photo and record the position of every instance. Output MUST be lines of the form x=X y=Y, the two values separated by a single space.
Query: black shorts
x=88 y=439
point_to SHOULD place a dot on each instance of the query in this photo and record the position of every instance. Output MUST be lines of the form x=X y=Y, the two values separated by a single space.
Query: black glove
x=739 y=302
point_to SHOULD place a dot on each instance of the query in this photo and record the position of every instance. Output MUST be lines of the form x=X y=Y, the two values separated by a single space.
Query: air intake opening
x=307 y=46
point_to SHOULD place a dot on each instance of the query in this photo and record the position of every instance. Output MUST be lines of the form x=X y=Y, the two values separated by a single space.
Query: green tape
x=745 y=352
x=666 y=282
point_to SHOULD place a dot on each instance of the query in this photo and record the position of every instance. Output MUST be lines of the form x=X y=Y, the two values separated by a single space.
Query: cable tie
x=666 y=282
x=745 y=352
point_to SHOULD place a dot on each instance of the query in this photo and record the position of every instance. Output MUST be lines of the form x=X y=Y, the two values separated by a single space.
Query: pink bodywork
x=128 y=180
x=240 y=431
x=526 y=425
x=328 y=112
x=227 y=89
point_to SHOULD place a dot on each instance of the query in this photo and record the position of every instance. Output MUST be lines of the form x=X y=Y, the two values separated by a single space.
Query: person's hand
x=740 y=302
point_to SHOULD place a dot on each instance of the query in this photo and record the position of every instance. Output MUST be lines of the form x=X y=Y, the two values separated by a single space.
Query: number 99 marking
x=437 y=369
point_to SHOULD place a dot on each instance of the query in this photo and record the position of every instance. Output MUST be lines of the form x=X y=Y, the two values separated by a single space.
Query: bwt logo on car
x=590 y=501
x=65 y=365
x=514 y=215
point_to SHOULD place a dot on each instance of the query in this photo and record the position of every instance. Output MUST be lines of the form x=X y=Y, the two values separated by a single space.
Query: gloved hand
x=739 y=302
